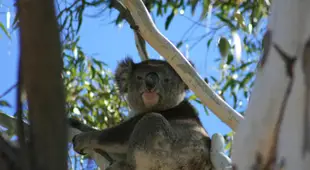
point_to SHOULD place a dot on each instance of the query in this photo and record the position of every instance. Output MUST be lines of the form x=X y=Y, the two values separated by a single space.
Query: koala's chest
x=173 y=161
x=192 y=140
x=188 y=130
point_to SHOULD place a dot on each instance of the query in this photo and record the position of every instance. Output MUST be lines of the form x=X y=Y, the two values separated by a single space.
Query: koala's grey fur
x=165 y=136
x=171 y=92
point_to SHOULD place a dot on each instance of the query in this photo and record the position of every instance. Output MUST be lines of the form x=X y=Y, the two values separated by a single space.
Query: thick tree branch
x=74 y=127
x=165 y=48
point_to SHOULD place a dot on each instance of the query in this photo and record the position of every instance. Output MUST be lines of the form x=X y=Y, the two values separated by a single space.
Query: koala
x=164 y=134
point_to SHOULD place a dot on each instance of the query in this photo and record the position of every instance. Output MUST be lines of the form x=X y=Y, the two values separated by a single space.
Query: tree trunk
x=275 y=133
x=41 y=69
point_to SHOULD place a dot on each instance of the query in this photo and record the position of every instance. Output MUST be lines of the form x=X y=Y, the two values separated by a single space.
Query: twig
x=125 y=13
x=8 y=90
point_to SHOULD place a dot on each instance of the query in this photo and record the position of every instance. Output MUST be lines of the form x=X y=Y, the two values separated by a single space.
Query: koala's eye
x=139 y=78
x=166 y=80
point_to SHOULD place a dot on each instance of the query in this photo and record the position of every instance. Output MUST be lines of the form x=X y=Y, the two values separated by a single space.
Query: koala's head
x=151 y=85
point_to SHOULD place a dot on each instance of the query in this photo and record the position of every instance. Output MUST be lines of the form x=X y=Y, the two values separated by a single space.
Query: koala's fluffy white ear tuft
x=122 y=73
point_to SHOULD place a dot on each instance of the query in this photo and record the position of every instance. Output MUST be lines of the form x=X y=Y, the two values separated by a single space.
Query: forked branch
x=165 y=48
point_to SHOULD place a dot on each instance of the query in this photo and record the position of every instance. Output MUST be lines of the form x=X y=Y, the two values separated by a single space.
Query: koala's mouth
x=150 y=98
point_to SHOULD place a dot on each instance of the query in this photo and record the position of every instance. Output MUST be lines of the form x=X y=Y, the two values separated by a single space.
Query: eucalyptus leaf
x=224 y=46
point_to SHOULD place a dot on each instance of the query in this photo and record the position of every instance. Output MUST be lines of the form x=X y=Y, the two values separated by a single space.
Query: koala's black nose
x=151 y=79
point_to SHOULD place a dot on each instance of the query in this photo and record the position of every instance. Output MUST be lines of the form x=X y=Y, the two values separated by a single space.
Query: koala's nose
x=151 y=79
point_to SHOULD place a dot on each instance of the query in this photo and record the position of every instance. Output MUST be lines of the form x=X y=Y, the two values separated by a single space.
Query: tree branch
x=74 y=127
x=8 y=91
x=140 y=42
x=161 y=44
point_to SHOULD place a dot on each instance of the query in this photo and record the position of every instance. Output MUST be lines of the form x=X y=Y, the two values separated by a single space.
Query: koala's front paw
x=219 y=160
x=80 y=143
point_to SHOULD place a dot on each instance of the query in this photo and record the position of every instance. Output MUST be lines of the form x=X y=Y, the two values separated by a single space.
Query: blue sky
x=111 y=43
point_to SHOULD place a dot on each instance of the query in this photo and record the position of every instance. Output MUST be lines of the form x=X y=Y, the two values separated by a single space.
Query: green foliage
x=91 y=93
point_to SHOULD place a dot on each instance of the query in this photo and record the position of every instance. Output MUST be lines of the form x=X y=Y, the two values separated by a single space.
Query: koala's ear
x=122 y=73
x=193 y=65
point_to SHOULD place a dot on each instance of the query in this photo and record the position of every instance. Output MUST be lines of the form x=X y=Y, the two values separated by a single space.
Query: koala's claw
x=78 y=144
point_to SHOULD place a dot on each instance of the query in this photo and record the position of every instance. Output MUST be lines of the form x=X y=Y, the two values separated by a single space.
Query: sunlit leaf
x=4 y=103
x=235 y=99
x=205 y=8
x=168 y=20
x=209 y=42
x=237 y=44
x=213 y=78
x=224 y=46
x=159 y=8
x=206 y=110
x=240 y=20
x=193 y=6
x=246 y=79
x=2 y=27
x=192 y=97
x=245 y=93
x=244 y=66
x=80 y=18
x=230 y=134
x=179 y=44
x=227 y=21
x=119 y=19
x=230 y=58
x=228 y=145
